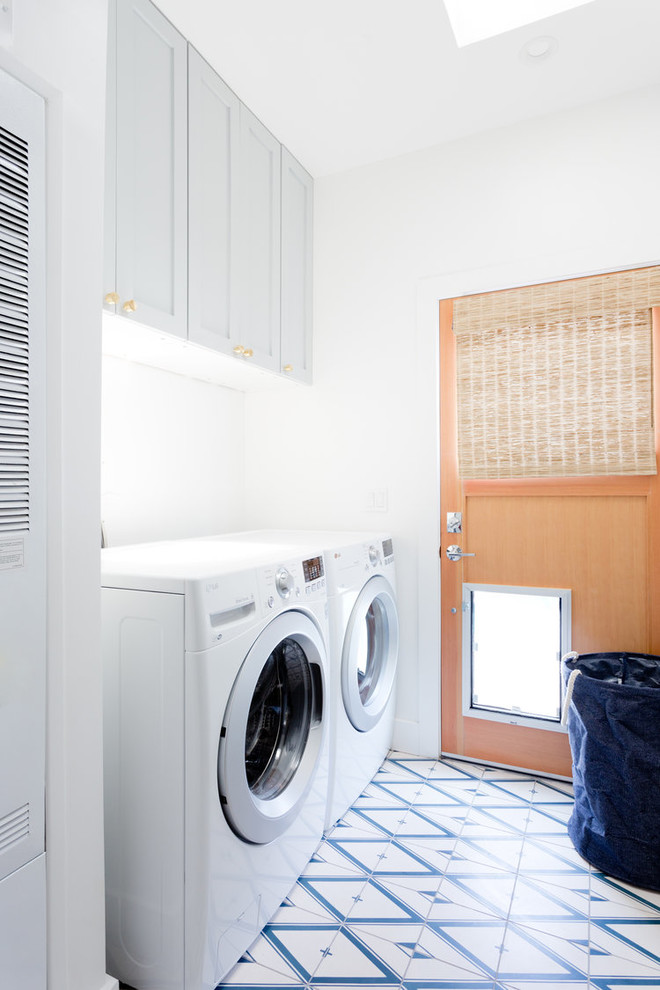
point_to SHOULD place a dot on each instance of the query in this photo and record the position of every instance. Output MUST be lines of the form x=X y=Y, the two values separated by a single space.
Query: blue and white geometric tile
x=450 y=876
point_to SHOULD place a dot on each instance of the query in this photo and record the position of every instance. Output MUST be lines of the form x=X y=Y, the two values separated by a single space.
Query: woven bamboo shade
x=556 y=380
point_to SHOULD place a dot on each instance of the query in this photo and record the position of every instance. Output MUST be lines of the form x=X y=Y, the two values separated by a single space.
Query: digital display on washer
x=313 y=569
x=388 y=549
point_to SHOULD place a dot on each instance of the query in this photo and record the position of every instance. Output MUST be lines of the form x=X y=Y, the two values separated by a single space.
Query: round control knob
x=284 y=582
x=373 y=556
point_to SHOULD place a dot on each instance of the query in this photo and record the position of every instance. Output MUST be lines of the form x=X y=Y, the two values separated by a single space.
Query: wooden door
x=598 y=537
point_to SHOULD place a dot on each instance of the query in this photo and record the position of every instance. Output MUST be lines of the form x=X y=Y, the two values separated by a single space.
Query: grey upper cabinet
x=259 y=242
x=208 y=219
x=297 y=230
x=213 y=219
x=151 y=167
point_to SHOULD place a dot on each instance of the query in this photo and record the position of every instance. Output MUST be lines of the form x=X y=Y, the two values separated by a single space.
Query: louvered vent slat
x=14 y=353
x=14 y=827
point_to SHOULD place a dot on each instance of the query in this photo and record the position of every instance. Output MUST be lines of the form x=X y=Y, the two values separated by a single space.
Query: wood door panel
x=532 y=749
x=599 y=536
x=594 y=545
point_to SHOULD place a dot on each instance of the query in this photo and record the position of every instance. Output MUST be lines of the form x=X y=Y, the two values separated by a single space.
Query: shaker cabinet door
x=297 y=207
x=259 y=249
x=151 y=207
x=213 y=170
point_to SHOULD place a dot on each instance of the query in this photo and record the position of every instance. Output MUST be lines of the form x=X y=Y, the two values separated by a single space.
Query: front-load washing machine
x=216 y=757
x=364 y=643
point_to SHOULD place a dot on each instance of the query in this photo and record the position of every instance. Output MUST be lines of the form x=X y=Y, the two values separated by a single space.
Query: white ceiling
x=350 y=82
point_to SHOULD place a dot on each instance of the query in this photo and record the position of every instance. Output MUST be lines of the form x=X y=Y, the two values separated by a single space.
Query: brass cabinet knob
x=111 y=298
x=287 y=368
x=238 y=350
x=248 y=352
x=129 y=306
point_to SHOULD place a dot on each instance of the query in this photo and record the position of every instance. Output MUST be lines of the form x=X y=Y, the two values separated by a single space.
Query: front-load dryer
x=216 y=756
x=364 y=643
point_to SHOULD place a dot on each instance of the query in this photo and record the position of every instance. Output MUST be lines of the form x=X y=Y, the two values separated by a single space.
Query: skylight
x=475 y=20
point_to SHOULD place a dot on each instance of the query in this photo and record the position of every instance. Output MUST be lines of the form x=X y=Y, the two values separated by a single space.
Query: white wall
x=567 y=194
x=172 y=455
x=59 y=49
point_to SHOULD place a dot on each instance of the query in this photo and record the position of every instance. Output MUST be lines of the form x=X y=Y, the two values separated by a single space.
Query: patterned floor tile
x=333 y=896
x=302 y=948
x=500 y=853
x=476 y=898
x=419 y=767
x=263 y=964
x=650 y=897
x=551 y=854
x=397 y=791
x=529 y=953
x=365 y=854
x=375 y=796
x=435 y=851
x=513 y=817
x=418 y=896
x=462 y=766
x=450 y=876
x=305 y=904
x=353 y=956
x=480 y=821
x=625 y=949
x=553 y=791
x=361 y=824
x=396 y=770
x=491 y=792
x=550 y=984
x=473 y=946
x=417 y=824
x=380 y=903
x=520 y=790
x=613 y=899
x=547 y=819
x=330 y=861
x=446 y=793
x=565 y=940
x=536 y=900
x=393 y=945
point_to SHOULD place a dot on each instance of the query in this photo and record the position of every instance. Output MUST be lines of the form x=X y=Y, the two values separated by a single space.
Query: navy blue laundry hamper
x=614 y=733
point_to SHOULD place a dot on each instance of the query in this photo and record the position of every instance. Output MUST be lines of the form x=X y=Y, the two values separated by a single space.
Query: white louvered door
x=22 y=536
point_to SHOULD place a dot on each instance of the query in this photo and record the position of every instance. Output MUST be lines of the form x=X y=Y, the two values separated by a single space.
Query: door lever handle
x=456 y=553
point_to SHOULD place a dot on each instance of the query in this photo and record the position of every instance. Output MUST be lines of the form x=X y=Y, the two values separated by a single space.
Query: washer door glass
x=370 y=652
x=279 y=720
x=273 y=728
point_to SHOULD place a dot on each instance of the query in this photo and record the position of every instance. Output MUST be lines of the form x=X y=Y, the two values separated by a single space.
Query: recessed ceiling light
x=476 y=20
x=538 y=49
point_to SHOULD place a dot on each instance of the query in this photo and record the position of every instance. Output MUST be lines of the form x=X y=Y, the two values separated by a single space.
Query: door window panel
x=513 y=641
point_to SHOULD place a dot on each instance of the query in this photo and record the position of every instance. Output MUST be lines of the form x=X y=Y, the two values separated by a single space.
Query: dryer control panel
x=349 y=566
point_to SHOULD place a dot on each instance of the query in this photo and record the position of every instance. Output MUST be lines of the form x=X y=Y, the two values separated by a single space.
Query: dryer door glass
x=372 y=636
x=278 y=721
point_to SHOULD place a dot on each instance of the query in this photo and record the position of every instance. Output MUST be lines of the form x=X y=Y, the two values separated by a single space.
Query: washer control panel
x=291 y=581
x=284 y=583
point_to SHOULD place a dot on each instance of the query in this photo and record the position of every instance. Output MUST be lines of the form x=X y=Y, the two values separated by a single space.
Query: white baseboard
x=405 y=738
